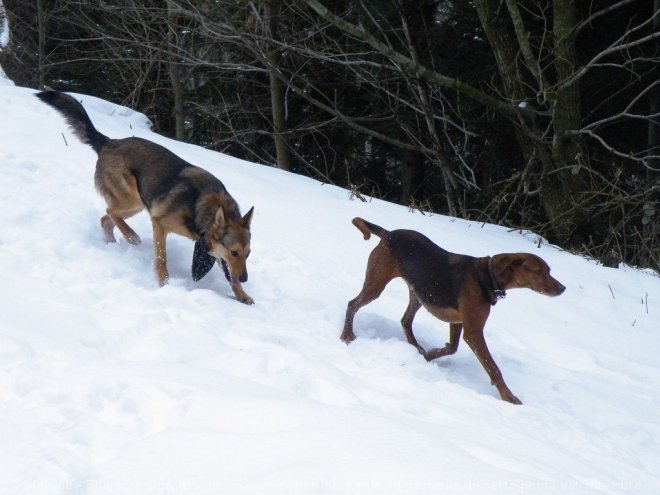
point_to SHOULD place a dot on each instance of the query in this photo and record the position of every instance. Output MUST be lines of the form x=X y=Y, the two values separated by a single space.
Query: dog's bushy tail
x=76 y=117
x=368 y=228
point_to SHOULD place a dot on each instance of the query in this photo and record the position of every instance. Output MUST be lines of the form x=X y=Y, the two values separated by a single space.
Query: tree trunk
x=41 y=43
x=175 y=75
x=648 y=222
x=654 y=123
x=562 y=184
x=505 y=51
x=277 y=88
x=492 y=17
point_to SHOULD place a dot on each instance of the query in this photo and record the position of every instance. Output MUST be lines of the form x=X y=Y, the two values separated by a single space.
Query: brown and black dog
x=455 y=288
x=133 y=174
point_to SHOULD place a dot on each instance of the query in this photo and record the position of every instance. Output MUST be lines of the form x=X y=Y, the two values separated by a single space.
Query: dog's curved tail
x=368 y=228
x=75 y=116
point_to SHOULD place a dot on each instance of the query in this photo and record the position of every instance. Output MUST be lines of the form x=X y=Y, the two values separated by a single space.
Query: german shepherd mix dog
x=133 y=174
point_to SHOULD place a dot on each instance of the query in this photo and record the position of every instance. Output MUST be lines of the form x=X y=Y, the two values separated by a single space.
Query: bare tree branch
x=414 y=68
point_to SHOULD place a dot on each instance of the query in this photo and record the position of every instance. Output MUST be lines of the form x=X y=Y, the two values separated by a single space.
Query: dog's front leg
x=160 y=253
x=240 y=294
x=474 y=337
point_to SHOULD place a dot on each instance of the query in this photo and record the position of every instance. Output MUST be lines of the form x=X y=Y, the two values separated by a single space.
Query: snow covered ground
x=110 y=385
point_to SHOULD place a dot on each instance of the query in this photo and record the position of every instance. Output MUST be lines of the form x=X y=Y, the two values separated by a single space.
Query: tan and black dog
x=455 y=288
x=133 y=174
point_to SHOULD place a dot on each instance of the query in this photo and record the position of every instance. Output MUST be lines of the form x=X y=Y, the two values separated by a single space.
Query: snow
x=111 y=385
x=4 y=42
x=4 y=28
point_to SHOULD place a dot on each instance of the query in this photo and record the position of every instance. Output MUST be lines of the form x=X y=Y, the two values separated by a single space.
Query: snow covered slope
x=110 y=385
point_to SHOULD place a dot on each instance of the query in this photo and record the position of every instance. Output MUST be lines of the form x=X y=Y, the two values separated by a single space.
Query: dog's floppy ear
x=202 y=261
x=247 y=218
x=505 y=264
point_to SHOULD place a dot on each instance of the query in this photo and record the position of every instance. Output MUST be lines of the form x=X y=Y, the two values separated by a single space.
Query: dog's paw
x=246 y=300
x=509 y=397
x=240 y=294
x=109 y=238
x=134 y=239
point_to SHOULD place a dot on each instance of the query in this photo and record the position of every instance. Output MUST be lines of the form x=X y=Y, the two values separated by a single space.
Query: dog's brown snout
x=559 y=288
x=238 y=273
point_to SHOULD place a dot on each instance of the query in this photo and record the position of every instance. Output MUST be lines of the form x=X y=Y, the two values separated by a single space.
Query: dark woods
x=540 y=114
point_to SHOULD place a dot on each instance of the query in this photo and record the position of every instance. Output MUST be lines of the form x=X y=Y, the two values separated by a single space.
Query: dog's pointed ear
x=219 y=217
x=247 y=218
x=202 y=261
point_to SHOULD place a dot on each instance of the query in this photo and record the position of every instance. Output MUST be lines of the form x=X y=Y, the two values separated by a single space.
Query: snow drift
x=110 y=385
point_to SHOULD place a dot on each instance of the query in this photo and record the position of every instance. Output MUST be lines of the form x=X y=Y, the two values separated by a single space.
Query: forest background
x=538 y=114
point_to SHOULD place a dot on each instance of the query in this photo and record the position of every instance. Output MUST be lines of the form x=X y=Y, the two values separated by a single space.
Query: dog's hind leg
x=115 y=216
x=107 y=224
x=381 y=268
x=451 y=346
x=120 y=191
x=408 y=317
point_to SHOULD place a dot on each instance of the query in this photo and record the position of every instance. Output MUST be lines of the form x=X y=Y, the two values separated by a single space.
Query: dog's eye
x=234 y=254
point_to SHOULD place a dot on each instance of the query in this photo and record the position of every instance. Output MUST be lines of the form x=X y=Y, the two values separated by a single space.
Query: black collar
x=498 y=292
